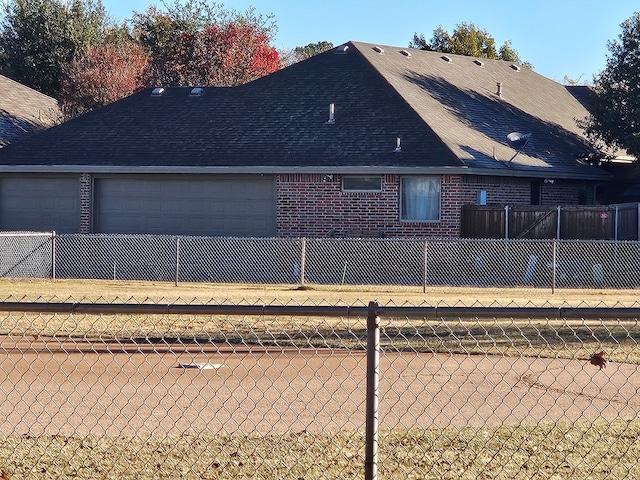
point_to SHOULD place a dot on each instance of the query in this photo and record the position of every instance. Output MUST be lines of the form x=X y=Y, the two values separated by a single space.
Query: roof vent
x=342 y=49
x=157 y=92
x=398 y=148
x=499 y=89
x=515 y=67
x=478 y=62
x=332 y=111
x=378 y=49
x=405 y=53
x=445 y=58
x=196 y=92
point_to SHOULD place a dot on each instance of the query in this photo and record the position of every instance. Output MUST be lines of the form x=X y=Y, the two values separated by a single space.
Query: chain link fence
x=483 y=263
x=191 y=390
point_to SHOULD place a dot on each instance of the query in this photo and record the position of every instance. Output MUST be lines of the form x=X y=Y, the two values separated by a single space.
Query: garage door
x=186 y=205
x=40 y=204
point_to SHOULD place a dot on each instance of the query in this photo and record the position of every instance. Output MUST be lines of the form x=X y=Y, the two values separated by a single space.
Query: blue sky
x=559 y=37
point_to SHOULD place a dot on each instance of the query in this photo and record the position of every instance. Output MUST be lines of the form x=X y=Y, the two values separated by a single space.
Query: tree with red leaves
x=225 y=55
x=101 y=75
x=200 y=45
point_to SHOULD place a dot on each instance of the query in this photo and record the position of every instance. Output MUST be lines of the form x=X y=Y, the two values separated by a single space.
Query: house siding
x=314 y=205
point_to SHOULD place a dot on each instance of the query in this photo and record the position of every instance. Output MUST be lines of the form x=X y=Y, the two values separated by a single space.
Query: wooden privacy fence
x=596 y=222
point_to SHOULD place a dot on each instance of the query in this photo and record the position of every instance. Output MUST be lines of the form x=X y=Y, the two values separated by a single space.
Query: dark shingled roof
x=446 y=114
x=24 y=111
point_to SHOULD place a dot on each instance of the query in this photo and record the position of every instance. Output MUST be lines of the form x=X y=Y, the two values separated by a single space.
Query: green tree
x=311 y=49
x=39 y=39
x=614 y=120
x=467 y=39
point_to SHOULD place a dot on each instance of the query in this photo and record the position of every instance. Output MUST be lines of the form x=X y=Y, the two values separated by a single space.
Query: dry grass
x=163 y=292
x=531 y=337
x=594 y=450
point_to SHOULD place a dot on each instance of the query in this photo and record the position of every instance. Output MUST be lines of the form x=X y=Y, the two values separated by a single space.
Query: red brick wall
x=313 y=205
x=85 y=203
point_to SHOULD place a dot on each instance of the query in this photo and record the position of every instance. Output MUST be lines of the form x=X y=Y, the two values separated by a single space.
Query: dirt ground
x=78 y=388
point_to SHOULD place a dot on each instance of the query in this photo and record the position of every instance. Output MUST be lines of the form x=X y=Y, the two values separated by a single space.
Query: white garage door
x=40 y=204
x=186 y=205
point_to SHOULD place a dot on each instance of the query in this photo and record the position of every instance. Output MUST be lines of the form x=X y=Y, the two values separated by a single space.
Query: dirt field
x=95 y=390
x=80 y=389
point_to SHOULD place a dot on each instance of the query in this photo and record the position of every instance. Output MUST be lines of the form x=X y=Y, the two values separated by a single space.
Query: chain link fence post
x=506 y=222
x=425 y=268
x=53 y=255
x=554 y=264
x=303 y=260
x=372 y=399
x=177 y=260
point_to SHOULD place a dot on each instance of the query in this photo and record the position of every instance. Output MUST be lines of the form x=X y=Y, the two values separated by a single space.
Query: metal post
x=303 y=260
x=53 y=255
x=506 y=222
x=177 y=259
x=554 y=257
x=373 y=378
x=424 y=270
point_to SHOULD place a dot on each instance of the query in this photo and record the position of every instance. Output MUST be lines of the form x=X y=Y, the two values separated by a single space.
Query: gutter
x=270 y=170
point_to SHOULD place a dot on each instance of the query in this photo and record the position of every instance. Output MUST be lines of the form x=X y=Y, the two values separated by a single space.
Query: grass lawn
x=165 y=292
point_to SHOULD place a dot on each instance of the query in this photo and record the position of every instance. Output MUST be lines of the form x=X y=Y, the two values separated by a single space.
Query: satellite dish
x=518 y=141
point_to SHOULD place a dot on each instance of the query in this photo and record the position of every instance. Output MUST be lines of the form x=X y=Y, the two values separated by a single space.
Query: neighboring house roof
x=24 y=111
x=447 y=115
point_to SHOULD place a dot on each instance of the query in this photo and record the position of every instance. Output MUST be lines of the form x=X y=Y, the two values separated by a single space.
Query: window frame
x=360 y=190
x=402 y=208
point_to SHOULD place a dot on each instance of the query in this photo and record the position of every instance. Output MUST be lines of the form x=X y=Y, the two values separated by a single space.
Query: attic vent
x=405 y=53
x=342 y=49
x=158 y=91
x=445 y=58
x=196 y=92
x=332 y=111
x=378 y=49
x=515 y=67
x=478 y=62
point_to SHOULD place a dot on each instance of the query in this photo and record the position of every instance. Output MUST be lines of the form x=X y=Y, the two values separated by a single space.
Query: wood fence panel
x=541 y=222
x=532 y=222
x=587 y=223
x=627 y=221
x=482 y=220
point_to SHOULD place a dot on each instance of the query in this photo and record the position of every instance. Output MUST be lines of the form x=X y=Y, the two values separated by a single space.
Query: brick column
x=85 y=203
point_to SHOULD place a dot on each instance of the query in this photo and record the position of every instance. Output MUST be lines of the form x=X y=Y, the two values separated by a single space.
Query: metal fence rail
x=180 y=390
x=482 y=263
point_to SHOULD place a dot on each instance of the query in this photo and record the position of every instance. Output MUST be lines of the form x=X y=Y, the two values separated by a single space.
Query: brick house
x=365 y=138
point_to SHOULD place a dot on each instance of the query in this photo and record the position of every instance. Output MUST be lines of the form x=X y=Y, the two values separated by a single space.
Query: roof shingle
x=447 y=115
x=24 y=111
